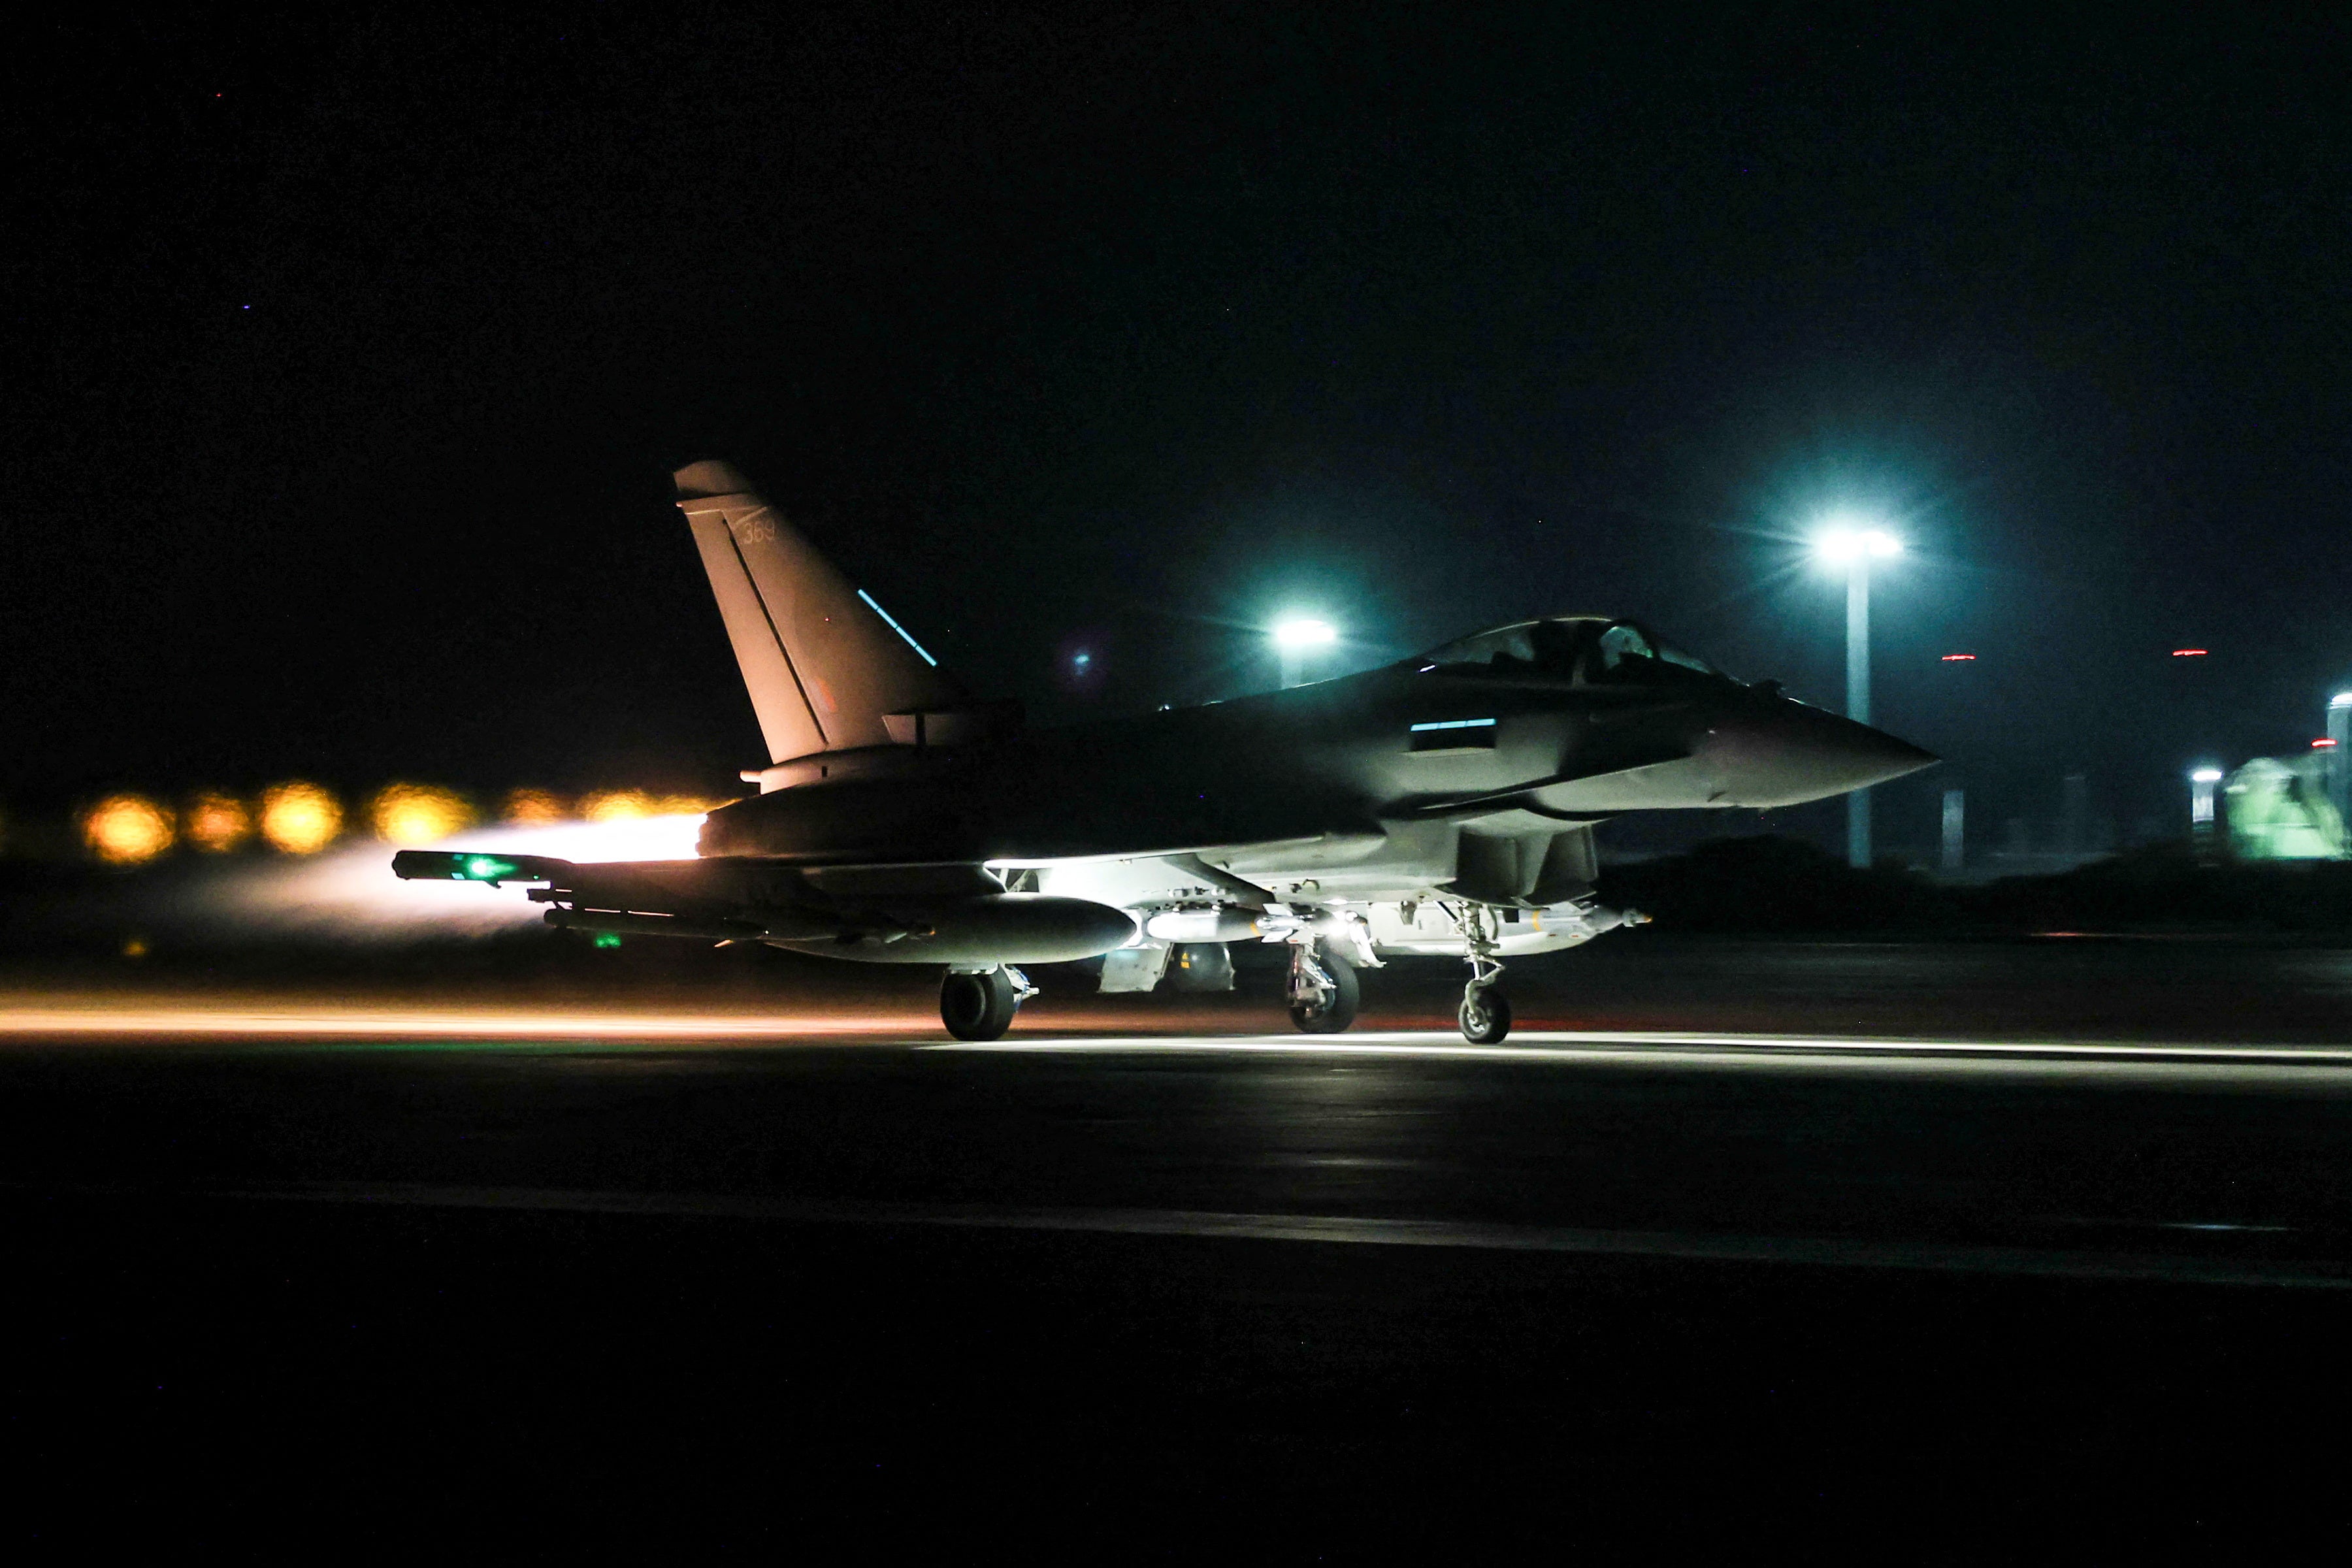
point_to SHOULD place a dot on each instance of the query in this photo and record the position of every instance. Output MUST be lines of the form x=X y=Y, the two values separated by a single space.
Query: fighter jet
x=1444 y=804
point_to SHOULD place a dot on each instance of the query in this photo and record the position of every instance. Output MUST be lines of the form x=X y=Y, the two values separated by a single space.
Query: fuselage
x=1364 y=785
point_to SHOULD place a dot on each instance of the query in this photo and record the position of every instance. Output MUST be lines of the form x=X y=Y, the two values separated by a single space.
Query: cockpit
x=1583 y=648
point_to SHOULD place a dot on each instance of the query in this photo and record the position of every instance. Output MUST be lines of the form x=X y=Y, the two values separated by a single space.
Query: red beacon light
x=2322 y=744
x=2188 y=653
x=1959 y=659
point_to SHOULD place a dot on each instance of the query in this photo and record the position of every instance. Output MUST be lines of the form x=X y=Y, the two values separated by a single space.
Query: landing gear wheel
x=979 y=1006
x=1337 y=1009
x=1485 y=1016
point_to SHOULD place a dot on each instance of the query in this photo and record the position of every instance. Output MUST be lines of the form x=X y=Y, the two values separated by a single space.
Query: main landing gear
x=1324 y=992
x=979 y=1004
x=1486 y=1012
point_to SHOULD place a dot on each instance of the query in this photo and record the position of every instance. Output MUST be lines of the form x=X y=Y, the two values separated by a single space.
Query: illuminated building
x=2280 y=811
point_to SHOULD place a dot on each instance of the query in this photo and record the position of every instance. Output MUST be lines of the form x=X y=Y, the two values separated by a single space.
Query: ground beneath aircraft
x=1746 y=1239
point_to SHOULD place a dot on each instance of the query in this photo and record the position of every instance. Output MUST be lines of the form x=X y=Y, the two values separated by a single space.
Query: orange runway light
x=216 y=824
x=413 y=814
x=617 y=806
x=532 y=807
x=127 y=829
x=299 y=818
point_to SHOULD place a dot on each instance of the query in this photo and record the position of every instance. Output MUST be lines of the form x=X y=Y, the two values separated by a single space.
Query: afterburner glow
x=670 y=836
x=352 y=895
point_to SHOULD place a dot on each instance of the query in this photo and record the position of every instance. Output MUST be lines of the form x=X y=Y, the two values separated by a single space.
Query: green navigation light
x=608 y=939
x=488 y=868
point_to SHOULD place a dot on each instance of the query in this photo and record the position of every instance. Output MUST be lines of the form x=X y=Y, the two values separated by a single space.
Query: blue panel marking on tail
x=896 y=627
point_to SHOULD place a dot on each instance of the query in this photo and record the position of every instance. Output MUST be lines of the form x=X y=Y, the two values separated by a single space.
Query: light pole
x=1854 y=549
x=1294 y=637
x=2200 y=807
x=2339 y=765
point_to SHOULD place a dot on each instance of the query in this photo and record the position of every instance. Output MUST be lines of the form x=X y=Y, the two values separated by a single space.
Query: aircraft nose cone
x=1774 y=752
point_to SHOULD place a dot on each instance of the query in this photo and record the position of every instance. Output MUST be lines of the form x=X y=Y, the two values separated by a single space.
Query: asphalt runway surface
x=1976 y=1244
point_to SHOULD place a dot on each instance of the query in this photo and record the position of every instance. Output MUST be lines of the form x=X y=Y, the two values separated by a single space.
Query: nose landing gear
x=980 y=1006
x=1486 y=1012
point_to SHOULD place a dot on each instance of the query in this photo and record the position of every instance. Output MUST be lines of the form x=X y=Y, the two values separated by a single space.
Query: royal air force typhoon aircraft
x=1442 y=805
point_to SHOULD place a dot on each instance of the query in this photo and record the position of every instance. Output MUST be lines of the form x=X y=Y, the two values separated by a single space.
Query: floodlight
x=1838 y=544
x=1841 y=541
x=1304 y=632
x=2205 y=775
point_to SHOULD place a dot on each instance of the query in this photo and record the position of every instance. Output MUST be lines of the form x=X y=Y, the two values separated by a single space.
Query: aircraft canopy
x=1585 y=648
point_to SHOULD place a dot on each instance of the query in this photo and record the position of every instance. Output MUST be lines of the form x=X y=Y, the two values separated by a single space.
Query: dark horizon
x=357 y=354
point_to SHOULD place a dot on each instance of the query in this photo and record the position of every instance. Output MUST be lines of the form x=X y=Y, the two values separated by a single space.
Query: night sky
x=352 y=356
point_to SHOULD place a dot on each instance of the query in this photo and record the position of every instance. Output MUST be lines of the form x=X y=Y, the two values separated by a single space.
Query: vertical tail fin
x=826 y=669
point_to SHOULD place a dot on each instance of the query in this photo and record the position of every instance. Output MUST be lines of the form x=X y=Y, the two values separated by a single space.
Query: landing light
x=2206 y=775
x=1305 y=632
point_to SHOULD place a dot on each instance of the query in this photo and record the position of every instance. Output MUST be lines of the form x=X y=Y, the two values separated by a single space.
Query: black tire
x=1334 y=1016
x=1485 y=1017
x=977 y=1007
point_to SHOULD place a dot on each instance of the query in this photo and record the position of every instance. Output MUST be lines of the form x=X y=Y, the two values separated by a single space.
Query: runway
x=836 y=1260
x=113 y=1020
x=1948 y=1153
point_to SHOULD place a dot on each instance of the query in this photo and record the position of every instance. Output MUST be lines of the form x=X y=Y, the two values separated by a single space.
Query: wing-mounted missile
x=954 y=914
x=478 y=866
